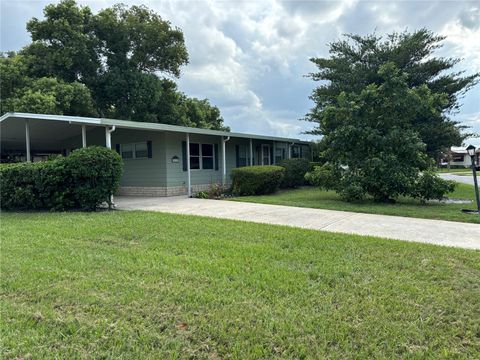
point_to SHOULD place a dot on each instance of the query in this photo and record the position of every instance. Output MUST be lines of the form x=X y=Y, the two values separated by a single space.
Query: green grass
x=142 y=285
x=314 y=198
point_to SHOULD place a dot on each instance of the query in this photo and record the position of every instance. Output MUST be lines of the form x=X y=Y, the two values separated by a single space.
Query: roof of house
x=461 y=149
x=141 y=126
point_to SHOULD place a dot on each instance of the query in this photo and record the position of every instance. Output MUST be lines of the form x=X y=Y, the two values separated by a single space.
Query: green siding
x=149 y=172
x=160 y=171
x=176 y=176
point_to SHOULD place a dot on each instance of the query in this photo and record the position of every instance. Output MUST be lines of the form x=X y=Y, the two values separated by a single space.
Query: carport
x=34 y=137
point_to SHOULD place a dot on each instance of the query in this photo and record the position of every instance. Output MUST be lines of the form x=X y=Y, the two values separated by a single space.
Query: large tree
x=123 y=57
x=382 y=109
x=354 y=64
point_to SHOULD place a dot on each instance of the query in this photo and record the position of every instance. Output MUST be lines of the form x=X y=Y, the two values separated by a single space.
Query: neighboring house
x=155 y=155
x=458 y=157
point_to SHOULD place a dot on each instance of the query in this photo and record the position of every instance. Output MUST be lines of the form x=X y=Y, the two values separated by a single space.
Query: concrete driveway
x=437 y=232
x=458 y=178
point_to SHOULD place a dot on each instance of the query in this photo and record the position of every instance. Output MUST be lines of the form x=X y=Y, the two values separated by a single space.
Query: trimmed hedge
x=295 y=170
x=257 y=180
x=83 y=180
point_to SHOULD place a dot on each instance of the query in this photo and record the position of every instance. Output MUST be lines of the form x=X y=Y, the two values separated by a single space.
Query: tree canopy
x=355 y=63
x=118 y=63
x=383 y=112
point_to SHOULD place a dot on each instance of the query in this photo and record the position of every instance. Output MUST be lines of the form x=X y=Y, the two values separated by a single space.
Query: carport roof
x=140 y=126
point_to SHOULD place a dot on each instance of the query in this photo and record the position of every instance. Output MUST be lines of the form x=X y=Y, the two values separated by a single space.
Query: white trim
x=139 y=125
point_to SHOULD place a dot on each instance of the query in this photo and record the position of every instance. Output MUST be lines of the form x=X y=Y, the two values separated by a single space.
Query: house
x=458 y=157
x=159 y=159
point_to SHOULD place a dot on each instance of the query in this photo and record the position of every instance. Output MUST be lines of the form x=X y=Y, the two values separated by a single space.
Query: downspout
x=224 y=160
x=108 y=136
x=290 y=150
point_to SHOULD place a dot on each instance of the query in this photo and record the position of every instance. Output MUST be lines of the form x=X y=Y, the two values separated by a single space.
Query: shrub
x=295 y=170
x=95 y=174
x=430 y=186
x=215 y=191
x=314 y=164
x=322 y=176
x=82 y=180
x=257 y=180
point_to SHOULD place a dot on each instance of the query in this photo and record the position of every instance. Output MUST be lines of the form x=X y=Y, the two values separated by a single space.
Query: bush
x=430 y=186
x=314 y=164
x=83 y=180
x=257 y=180
x=322 y=176
x=95 y=175
x=295 y=170
x=215 y=191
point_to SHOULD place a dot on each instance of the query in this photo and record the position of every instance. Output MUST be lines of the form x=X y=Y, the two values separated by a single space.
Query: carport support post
x=84 y=136
x=251 y=152
x=189 y=179
x=27 y=141
x=108 y=144
x=274 y=160
x=224 y=160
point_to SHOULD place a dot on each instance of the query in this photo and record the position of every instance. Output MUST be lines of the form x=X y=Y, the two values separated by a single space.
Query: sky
x=250 y=58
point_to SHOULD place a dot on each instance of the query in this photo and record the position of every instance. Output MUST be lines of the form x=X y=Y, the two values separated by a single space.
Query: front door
x=265 y=154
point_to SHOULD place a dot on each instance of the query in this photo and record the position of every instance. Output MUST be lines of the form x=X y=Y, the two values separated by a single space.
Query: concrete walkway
x=437 y=232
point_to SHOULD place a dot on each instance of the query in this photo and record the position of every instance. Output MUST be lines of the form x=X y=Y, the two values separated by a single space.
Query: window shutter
x=216 y=156
x=184 y=155
x=237 y=156
x=117 y=148
x=149 y=149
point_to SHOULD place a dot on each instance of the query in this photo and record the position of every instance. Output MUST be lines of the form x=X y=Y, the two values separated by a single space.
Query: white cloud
x=249 y=57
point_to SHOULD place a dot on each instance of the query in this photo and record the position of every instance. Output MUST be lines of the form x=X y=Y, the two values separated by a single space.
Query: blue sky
x=250 y=57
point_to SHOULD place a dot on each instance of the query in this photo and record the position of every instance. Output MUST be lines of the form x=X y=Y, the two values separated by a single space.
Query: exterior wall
x=176 y=176
x=150 y=172
x=467 y=161
x=158 y=175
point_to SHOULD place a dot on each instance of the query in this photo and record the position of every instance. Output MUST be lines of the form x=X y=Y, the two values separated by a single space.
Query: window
x=457 y=157
x=127 y=151
x=207 y=156
x=141 y=150
x=279 y=155
x=265 y=155
x=194 y=156
x=242 y=155
x=134 y=151
x=295 y=151
x=201 y=156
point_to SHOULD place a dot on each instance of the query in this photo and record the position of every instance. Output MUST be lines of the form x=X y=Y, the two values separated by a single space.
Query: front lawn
x=312 y=197
x=140 y=285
